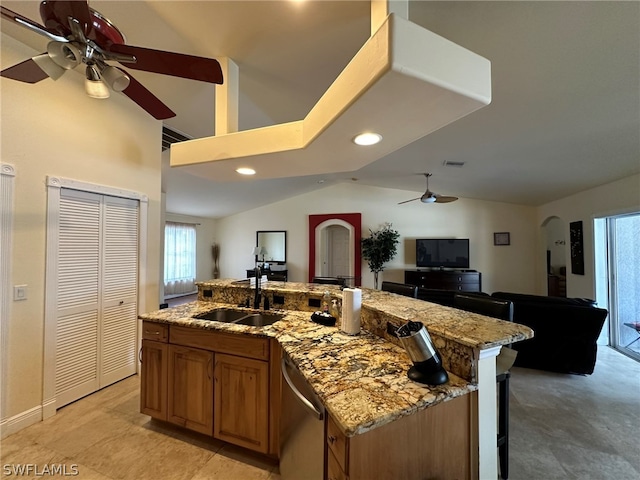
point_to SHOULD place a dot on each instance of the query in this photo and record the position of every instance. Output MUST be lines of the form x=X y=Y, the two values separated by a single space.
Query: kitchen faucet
x=256 y=298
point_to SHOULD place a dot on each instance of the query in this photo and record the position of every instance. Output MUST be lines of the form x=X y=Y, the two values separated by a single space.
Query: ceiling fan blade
x=445 y=199
x=56 y=13
x=30 y=24
x=407 y=201
x=27 y=71
x=147 y=100
x=169 y=63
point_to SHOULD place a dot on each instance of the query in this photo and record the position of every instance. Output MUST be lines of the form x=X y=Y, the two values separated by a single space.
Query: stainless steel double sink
x=237 y=317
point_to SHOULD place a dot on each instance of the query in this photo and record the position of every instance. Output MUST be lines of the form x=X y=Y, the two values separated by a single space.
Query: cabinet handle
x=140 y=355
x=331 y=439
x=305 y=401
x=209 y=367
x=149 y=332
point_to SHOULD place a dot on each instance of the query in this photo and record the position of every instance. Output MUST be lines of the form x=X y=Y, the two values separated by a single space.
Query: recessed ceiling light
x=245 y=171
x=367 y=138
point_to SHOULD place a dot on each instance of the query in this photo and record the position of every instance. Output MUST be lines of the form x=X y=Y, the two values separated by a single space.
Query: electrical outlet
x=314 y=302
x=392 y=329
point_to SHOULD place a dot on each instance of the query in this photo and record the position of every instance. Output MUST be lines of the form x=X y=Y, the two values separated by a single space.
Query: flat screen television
x=442 y=252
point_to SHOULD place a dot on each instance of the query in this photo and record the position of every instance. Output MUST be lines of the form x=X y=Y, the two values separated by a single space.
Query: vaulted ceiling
x=565 y=113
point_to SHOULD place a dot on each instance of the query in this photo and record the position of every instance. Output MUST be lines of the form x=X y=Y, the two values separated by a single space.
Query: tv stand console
x=460 y=280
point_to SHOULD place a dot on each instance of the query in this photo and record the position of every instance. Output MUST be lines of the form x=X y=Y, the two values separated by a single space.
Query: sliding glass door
x=623 y=235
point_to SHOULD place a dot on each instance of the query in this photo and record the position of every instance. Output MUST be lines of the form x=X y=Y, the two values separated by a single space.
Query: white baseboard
x=11 y=425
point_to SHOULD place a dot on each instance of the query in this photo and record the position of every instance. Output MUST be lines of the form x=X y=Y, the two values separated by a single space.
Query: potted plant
x=379 y=249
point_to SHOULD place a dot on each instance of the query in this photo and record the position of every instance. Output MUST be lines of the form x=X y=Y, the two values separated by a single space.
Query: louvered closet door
x=79 y=262
x=97 y=293
x=119 y=290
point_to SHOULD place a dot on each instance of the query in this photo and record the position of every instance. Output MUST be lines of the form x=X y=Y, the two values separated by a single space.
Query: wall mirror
x=274 y=243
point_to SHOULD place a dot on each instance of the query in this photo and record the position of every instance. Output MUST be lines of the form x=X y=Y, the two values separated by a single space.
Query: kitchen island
x=361 y=380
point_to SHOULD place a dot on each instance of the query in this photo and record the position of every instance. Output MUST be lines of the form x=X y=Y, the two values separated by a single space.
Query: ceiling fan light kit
x=429 y=197
x=115 y=78
x=48 y=66
x=94 y=85
x=80 y=34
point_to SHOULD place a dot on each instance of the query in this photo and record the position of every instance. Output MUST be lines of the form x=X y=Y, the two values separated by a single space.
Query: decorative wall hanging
x=215 y=253
x=501 y=238
x=577 y=251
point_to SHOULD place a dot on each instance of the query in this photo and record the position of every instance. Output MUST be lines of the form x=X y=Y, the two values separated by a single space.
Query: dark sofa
x=566 y=331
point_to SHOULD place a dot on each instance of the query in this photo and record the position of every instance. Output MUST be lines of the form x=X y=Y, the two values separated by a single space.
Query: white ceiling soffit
x=404 y=83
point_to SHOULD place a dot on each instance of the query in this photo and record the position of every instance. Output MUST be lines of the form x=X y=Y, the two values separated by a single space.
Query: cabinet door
x=190 y=402
x=242 y=402
x=153 y=379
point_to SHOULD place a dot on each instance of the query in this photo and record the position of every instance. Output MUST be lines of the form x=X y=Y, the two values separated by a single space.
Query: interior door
x=119 y=290
x=96 y=311
x=338 y=254
x=78 y=296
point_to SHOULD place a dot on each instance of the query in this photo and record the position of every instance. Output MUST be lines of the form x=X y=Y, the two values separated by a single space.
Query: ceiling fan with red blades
x=429 y=197
x=79 y=34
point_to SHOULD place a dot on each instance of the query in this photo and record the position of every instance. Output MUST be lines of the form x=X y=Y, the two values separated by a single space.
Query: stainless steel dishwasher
x=301 y=427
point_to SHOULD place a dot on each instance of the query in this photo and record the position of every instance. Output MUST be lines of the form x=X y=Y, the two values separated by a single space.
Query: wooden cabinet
x=190 y=392
x=155 y=331
x=153 y=385
x=432 y=443
x=220 y=384
x=273 y=275
x=241 y=407
x=460 y=280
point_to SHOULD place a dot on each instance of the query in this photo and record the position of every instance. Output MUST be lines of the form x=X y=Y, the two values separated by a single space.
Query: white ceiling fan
x=430 y=197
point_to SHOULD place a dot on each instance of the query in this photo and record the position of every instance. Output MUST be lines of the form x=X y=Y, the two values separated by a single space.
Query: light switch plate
x=19 y=292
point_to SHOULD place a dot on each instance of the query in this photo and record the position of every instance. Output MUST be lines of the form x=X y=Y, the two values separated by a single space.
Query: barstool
x=502 y=309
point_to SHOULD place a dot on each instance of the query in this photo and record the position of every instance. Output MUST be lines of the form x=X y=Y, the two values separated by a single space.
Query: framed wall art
x=501 y=238
x=577 y=249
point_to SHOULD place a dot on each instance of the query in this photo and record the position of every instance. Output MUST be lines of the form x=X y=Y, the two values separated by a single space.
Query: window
x=179 y=259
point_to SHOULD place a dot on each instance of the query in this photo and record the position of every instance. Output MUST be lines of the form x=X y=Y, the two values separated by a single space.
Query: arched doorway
x=334 y=246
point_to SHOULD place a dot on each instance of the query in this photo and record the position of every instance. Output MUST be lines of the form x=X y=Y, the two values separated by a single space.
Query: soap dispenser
x=335 y=309
x=326 y=302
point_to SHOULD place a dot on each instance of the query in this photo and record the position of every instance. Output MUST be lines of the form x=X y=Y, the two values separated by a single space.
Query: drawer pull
x=331 y=439
x=151 y=333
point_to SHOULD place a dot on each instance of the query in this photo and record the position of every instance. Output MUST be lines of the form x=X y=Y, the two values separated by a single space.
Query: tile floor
x=562 y=427
x=105 y=436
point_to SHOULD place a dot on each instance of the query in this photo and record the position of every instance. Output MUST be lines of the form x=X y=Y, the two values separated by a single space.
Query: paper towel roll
x=351 y=304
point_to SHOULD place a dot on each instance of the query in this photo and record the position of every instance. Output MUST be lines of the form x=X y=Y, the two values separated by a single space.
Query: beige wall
x=53 y=128
x=622 y=196
x=503 y=268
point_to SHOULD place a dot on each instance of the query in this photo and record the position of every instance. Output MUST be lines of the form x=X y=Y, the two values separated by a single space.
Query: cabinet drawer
x=467 y=278
x=337 y=444
x=334 y=472
x=244 y=346
x=155 y=331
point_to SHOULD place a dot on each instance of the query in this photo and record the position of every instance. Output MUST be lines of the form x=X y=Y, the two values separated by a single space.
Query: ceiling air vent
x=169 y=136
x=451 y=163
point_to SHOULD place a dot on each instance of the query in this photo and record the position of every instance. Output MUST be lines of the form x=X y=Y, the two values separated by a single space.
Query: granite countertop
x=465 y=328
x=360 y=379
